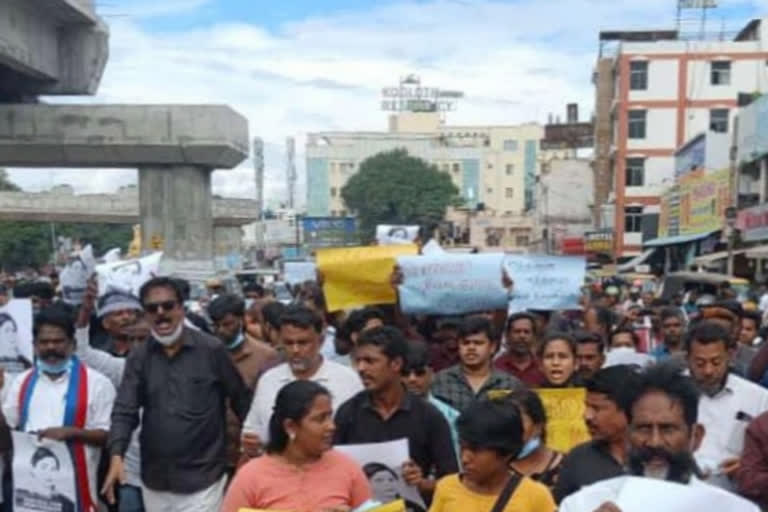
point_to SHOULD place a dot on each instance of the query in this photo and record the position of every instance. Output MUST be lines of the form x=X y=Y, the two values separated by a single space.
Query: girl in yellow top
x=491 y=435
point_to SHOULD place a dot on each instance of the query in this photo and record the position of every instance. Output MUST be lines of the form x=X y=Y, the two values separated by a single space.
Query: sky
x=298 y=66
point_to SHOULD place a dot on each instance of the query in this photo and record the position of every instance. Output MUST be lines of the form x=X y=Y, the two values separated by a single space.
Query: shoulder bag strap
x=506 y=493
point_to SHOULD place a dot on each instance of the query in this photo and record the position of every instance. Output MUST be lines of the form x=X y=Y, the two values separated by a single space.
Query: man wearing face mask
x=663 y=435
x=62 y=399
x=301 y=337
x=182 y=381
x=252 y=358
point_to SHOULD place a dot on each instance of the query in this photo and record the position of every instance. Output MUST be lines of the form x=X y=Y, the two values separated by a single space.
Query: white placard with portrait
x=382 y=464
x=16 y=351
x=43 y=475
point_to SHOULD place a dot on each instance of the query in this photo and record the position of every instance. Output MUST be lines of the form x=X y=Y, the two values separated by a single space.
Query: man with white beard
x=663 y=435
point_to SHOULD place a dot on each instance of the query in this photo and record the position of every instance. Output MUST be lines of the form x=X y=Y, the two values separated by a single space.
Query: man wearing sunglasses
x=182 y=380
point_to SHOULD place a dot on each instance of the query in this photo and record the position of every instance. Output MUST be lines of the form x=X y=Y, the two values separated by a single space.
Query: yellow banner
x=664 y=215
x=704 y=196
x=395 y=506
x=565 y=417
x=359 y=276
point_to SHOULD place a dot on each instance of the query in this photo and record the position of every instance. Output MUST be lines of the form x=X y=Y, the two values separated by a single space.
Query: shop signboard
x=704 y=196
x=600 y=241
x=753 y=223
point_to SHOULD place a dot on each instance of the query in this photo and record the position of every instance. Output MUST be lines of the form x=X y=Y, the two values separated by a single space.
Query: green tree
x=396 y=188
x=6 y=185
x=28 y=244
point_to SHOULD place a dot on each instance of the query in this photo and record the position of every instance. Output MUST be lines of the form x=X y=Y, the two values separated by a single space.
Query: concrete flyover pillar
x=176 y=216
x=174 y=147
x=228 y=247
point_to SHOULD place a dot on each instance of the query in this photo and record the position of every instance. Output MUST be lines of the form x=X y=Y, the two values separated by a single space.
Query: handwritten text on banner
x=545 y=282
x=450 y=284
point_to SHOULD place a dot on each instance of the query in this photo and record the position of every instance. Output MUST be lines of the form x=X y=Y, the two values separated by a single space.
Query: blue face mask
x=236 y=342
x=529 y=447
x=55 y=369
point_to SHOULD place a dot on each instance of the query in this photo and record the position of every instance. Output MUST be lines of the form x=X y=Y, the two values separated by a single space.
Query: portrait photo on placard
x=382 y=464
x=16 y=352
x=43 y=475
x=74 y=277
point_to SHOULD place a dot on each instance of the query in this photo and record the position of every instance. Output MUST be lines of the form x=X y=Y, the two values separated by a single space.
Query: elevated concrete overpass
x=61 y=204
x=50 y=47
x=61 y=47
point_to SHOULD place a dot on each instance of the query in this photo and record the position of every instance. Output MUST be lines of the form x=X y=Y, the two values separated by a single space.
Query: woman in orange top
x=300 y=472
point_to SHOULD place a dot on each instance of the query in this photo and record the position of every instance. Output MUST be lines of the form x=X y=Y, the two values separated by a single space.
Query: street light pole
x=730 y=222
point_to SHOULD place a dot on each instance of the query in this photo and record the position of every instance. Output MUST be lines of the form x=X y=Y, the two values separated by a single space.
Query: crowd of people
x=241 y=406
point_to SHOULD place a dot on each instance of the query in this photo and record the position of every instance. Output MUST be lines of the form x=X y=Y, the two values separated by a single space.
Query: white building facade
x=667 y=92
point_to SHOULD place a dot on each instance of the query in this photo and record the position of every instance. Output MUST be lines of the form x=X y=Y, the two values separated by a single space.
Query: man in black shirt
x=385 y=411
x=609 y=394
x=181 y=380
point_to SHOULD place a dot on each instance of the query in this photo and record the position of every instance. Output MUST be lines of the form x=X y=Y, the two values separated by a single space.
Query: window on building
x=343 y=213
x=637 y=124
x=334 y=213
x=718 y=120
x=456 y=168
x=489 y=190
x=510 y=145
x=721 y=72
x=638 y=75
x=521 y=241
x=509 y=193
x=333 y=191
x=510 y=169
x=347 y=168
x=633 y=219
x=445 y=167
x=490 y=165
x=635 y=172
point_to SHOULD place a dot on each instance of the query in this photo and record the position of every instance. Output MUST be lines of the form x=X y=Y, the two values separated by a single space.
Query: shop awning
x=706 y=259
x=674 y=240
x=759 y=252
x=637 y=260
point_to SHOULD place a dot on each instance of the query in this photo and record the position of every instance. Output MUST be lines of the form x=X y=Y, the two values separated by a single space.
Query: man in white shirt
x=38 y=399
x=663 y=435
x=728 y=403
x=301 y=336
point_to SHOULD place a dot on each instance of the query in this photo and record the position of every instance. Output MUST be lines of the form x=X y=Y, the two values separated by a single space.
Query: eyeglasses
x=155 y=307
x=420 y=371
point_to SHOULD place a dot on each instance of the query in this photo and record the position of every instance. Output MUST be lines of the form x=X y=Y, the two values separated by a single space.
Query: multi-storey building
x=494 y=167
x=666 y=91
